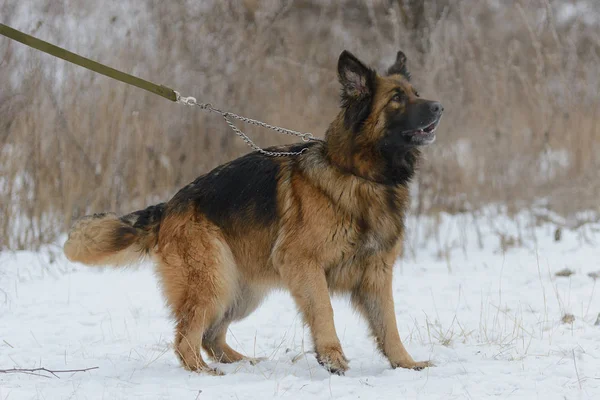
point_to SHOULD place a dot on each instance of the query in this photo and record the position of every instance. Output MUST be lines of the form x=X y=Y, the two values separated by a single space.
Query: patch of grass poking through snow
x=567 y=319
x=566 y=272
x=594 y=275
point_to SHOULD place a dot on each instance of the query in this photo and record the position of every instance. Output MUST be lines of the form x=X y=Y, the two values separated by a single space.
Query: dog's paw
x=204 y=370
x=211 y=371
x=333 y=360
x=416 y=365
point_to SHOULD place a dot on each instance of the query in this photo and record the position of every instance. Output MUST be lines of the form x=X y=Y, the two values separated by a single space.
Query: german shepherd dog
x=327 y=221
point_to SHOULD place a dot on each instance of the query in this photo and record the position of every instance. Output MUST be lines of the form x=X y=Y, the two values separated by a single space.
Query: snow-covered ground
x=490 y=319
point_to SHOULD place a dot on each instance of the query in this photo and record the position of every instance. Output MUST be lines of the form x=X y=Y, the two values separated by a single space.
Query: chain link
x=305 y=136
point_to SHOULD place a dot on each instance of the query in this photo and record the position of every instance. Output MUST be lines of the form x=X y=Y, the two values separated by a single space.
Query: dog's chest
x=361 y=245
x=356 y=221
x=366 y=235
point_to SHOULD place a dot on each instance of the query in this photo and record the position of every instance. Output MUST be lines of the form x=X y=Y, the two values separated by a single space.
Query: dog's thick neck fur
x=378 y=161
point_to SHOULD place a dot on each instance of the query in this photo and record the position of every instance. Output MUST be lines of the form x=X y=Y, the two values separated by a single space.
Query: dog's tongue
x=430 y=128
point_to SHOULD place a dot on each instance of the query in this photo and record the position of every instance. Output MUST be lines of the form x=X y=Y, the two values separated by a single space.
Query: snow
x=489 y=318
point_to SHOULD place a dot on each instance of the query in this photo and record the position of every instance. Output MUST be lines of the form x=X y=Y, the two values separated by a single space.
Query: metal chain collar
x=191 y=101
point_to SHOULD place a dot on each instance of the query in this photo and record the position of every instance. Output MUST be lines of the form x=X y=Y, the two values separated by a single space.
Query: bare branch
x=36 y=371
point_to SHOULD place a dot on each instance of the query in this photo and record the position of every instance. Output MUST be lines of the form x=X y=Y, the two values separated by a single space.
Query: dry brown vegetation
x=520 y=88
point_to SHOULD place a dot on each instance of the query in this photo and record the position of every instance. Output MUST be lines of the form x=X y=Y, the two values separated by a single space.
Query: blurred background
x=519 y=81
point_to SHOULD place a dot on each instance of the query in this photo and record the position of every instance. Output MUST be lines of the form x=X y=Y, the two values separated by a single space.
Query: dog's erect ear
x=399 y=66
x=356 y=79
x=358 y=86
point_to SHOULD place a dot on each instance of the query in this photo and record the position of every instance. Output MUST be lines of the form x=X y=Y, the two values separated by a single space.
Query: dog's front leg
x=308 y=285
x=373 y=298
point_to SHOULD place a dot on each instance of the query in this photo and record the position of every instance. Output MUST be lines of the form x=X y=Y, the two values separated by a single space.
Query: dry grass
x=520 y=90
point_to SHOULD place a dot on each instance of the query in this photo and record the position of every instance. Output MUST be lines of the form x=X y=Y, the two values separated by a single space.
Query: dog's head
x=388 y=106
x=383 y=116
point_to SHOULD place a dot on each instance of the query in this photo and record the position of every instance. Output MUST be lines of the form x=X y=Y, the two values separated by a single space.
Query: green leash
x=66 y=55
x=160 y=90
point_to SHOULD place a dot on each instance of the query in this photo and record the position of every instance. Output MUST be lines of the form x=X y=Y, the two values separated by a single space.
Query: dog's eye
x=417 y=94
x=399 y=97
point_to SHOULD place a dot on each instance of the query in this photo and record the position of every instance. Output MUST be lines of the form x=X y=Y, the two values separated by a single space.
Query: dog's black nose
x=436 y=107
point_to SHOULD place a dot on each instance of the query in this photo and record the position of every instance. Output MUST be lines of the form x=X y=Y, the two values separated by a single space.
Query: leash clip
x=188 y=101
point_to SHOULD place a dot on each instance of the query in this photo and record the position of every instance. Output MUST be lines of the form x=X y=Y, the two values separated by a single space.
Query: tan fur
x=92 y=241
x=337 y=230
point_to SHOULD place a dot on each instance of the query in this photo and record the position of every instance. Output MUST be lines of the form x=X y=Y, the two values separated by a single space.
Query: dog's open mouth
x=424 y=135
x=429 y=128
x=426 y=130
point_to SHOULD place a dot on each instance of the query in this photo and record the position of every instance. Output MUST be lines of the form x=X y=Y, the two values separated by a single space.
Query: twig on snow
x=36 y=371
x=576 y=371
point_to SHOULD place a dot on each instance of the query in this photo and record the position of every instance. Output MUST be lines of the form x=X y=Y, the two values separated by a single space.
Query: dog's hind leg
x=188 y=338
x=197 y=272
x=216 y=346
x=214 y=341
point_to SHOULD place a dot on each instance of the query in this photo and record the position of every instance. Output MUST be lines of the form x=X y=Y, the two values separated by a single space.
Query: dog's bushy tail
x=105 y=239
